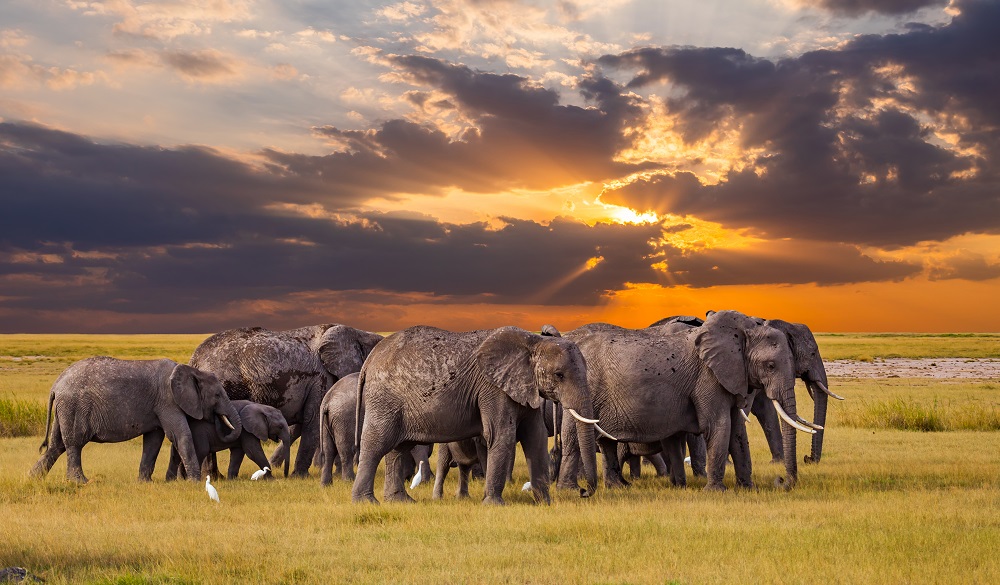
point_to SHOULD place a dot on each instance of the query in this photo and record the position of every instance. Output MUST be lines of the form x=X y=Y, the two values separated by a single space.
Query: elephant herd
x=351 y=395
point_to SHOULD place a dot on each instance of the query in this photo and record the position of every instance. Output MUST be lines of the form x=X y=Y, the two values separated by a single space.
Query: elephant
x=337 y=435
x=652 y=386
x=465 y=454
x=427 y=385
x=108 y=400
x=260 y=423
x=289 y=370
x=808 y=367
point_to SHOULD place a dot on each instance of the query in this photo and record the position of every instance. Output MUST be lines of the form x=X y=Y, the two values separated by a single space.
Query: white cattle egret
x=418 y=476
x=212 y=493
x=526 y=486
x=260 y=473
x=687 y=460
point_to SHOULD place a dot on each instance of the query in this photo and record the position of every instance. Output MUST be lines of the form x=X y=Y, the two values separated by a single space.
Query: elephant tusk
x=576 y=415
x=791 y=421
x=808 y=424
x=226 y=420
x=744 y=413
x=604 y=432
x=823 y=387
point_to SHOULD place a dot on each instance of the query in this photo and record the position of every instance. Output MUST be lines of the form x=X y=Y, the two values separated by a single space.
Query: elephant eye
x=560 y=375
x=771 y=365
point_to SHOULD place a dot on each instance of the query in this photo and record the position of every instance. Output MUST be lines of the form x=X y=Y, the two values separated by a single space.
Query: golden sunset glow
x=184 y=167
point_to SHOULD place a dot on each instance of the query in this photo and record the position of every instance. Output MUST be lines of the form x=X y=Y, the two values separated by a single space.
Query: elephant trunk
x=586 y=436
x=230 y=432
x=788 y=438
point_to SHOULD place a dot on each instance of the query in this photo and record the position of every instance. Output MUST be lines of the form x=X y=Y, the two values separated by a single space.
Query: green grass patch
x=868 y=346
x=21 y=418
x=909 y=415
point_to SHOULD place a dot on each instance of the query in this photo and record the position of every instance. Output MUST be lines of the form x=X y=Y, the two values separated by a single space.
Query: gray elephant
x=427 y=385
x=289 y=370
x=652 y=386
x=338 y=430
x=808 y=367
x=462 y=454
x=107 y=400
x=260 y=423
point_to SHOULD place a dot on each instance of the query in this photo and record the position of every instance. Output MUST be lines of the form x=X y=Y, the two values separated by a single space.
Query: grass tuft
x=906 y=414
x=21 y=418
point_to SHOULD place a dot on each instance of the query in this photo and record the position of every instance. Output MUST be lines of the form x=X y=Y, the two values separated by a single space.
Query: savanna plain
x=908 y=491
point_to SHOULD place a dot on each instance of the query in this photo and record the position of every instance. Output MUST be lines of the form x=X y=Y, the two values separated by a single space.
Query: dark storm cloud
x=797 y=262
x=523 y=137
x=861 y=7
x=839 y=164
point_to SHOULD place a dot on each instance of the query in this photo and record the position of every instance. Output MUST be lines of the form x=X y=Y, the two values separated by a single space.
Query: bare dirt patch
x=941 y=368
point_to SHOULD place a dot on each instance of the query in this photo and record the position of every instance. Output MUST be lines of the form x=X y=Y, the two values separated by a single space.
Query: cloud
x=883 y=141
x=207 y=65
x=856 y=8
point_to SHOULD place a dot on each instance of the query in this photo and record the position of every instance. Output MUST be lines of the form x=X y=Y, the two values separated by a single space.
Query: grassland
x=884 y=506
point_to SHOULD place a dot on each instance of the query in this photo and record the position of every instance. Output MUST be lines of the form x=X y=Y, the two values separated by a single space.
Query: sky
x=173 y=166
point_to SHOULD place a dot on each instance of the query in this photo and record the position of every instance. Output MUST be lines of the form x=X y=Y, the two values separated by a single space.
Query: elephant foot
x=399 y=497
x=807 y=459
x=300 y=474
x=781 y=461
x=78 y=478
x=567 y=486
x=746 y=485
x=715 y=487
x=616 y=483
x=494 y=501
x=364 y=499
x=784 y=484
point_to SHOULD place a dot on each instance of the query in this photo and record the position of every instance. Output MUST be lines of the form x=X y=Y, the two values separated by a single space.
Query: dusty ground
x=915 y=368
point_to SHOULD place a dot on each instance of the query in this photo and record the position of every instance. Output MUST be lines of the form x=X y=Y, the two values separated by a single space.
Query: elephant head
x=745 y=356
x=343 y=349
x=531 y=368
x=266 y=422
x=201 y=396
x=809 y=367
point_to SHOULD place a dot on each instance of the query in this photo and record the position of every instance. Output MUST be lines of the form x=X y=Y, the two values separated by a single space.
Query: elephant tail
x=359 y=412
x=48 y=423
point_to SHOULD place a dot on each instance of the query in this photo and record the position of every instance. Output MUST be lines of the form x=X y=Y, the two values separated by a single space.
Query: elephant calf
x=260 y=423
x=337 y=430
x=107 y=400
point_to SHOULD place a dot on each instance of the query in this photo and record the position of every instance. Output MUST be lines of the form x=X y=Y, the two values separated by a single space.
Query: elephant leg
x=173 y=465
x=395 y=487
x=330 y=459
x=344 y=440
x=658 y=463
x=534 y=440
x=717 y=440
x=53 y=451
x=310 y=432
x=569 y=470
x=634 y=467
x=179 y=433
x=763 y=409
x=612 y=468
x=464 y=471
x=74 y=465
x=500 y=445
x=739 y=448
x=373 y=448
x=697 y=450
x=151 y=443
x=673 y=449
x=249 y=445
x=443 y=466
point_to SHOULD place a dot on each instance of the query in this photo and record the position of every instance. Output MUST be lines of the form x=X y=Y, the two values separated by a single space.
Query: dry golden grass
x=884 y=506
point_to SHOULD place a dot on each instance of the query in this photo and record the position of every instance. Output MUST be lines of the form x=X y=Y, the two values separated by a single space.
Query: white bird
x=687 y=460
x=260 y=473
x=213 y=494
x=418 y=476
x=526 y=486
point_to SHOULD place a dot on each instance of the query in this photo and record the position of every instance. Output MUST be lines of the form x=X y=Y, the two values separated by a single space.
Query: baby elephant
x=260 y=423
x=107 y=400
x=465 y=454
x=337 y=434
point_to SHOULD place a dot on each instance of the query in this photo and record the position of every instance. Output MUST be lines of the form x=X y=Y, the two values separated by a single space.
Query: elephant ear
x=254 y=421
x=505 y=358
x=343 y=349
x=805 y=350
x=721 y=342
x=550 y=331
x=184 y=388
